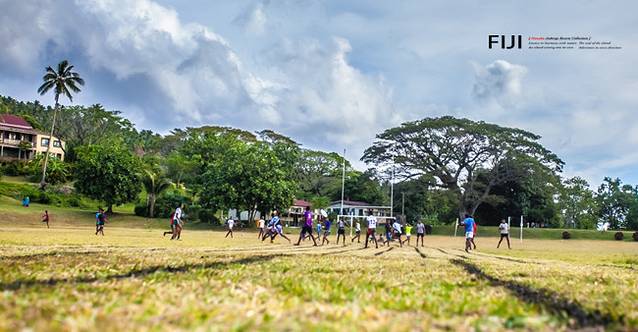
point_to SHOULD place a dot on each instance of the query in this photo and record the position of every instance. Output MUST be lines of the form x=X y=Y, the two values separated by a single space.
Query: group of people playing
x=394 y=230
x=470 y=233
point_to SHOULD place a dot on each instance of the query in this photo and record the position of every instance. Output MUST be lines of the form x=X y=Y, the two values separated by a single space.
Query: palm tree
x=154 y=184
x=63 y=82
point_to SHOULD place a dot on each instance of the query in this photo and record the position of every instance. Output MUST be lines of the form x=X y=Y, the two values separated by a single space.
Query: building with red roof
x=19 y=140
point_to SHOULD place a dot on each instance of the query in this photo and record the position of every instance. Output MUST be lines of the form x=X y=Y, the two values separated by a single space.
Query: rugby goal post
x=350 y=218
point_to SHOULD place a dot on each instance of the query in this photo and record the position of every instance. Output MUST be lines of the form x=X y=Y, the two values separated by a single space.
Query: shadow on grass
x=383 y=251
x=547 y=299
x=140 y=272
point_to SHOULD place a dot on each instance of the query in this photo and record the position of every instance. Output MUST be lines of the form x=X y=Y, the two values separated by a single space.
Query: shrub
x=635 y=236
x=167 y=202
x=57 y=170
x=207 y=216
x=140 y=210
x=566 y=235
x=15 y=168
x=619 y=236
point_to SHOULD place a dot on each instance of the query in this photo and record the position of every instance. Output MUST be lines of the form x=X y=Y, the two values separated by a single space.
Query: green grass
x=66 y=278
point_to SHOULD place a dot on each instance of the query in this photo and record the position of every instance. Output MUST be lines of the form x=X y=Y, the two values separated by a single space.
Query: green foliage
x=618 y=204
x=15 y=168
x=108 y=173
x=52 y=195
x=57 y=170
x=578 y=204
x=168 y=201
x=456 y=152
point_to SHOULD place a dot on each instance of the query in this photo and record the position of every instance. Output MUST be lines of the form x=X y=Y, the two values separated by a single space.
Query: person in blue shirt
x=468 y=222
x=277 y=228
x=326 y=232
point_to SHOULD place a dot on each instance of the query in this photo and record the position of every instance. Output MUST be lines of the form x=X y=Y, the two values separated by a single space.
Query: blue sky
x=332 y=74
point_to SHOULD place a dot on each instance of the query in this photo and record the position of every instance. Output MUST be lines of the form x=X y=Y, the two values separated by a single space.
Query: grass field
x=66 y=278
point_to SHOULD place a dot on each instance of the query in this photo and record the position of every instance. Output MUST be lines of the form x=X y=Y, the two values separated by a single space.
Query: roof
x=351 y=203
x=300 y=202
x=10 y=120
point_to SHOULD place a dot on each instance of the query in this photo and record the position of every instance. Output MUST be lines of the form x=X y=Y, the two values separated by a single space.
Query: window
x=57 y=143
x=44 y=142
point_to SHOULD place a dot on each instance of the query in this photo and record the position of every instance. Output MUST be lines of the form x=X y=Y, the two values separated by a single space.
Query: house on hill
x=20 y=141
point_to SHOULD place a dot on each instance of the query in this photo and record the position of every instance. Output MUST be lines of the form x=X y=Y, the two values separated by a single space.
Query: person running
x=100 y=220
x=341 y=231
x=229 y=224
x=277 y=227
x=45 y=217
x=306 y=229
x=388 y=233
x=504 y=229
x=372 y=228
x=357 y=232
x=468 y=222
x=318 y=228
x=326 y=231
x=396 y=227
x=408 y=232
x=420 y=233
x=475 y=233
x=261 y=224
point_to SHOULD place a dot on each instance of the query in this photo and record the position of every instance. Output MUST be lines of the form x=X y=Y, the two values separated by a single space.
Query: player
x=372 y=227
x=100 y=220
x=230 y=223
x=326 y=231
x=504 y=229
x=396 y=227
x=261 y=224
x=45 y=217
x=408 y=233
x=276 y=228
x=388 y=233
x=474 y=229
x=341 y=231
x=177 y=222
x=420 y=233
x=306 y=229
x=468 y=222
x=357 y=232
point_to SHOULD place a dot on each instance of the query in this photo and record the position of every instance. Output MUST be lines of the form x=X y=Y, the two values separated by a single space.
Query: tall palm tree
x=154 y=184
x=63 y=82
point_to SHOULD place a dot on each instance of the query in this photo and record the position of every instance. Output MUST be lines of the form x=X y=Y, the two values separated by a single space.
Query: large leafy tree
x=235 y=173
x=455 y=152
x=155 y=183
x=318 y=171
x=577 y=203
x=63 y=82
x=109 y=173
x=616 y=201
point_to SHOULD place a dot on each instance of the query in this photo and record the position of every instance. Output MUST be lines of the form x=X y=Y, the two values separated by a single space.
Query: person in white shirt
x=504 y=229
x=261 y=225
x=357 y=232
x=230 y=223
x=177 y=221
x=372 y=228
x=397 y=231
x=420 y=232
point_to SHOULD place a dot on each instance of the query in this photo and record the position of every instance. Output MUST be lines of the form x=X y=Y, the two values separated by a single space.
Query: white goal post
x=349 y=218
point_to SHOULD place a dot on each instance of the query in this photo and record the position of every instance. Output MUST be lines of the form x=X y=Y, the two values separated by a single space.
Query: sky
x=333 y=74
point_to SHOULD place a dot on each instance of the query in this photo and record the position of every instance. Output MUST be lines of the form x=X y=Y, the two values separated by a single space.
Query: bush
x=635 y=236
x=566 y=235
x=207 y=216
x=15 y=168
x=167 y=202
x=140 y=210
x=619 y=236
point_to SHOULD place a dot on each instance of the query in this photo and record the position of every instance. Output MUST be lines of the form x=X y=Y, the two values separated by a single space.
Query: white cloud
x=500 y=81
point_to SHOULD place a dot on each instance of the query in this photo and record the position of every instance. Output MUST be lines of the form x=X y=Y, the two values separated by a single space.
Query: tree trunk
x=151 y=205
x=46 y=157
x=109 y=211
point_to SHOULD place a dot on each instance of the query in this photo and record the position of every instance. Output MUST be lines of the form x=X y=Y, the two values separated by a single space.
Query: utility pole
x=343 y=181
x=403 y=204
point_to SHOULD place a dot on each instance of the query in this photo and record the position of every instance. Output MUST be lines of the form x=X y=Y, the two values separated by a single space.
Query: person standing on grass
x=261 y=224
x=45 y=217
x=171 y=224
x=100 y=220
x=177 y=221
x=468 y=222
x=357 y=232
x=229 y=224
x=388 y=233
x=277 y=228
x=326 y=231
x=504 y=229
x=420 y=233
x=318 y=228
x=408 y=231
x=306 y=228
x=372 y=228
x=341 y=231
